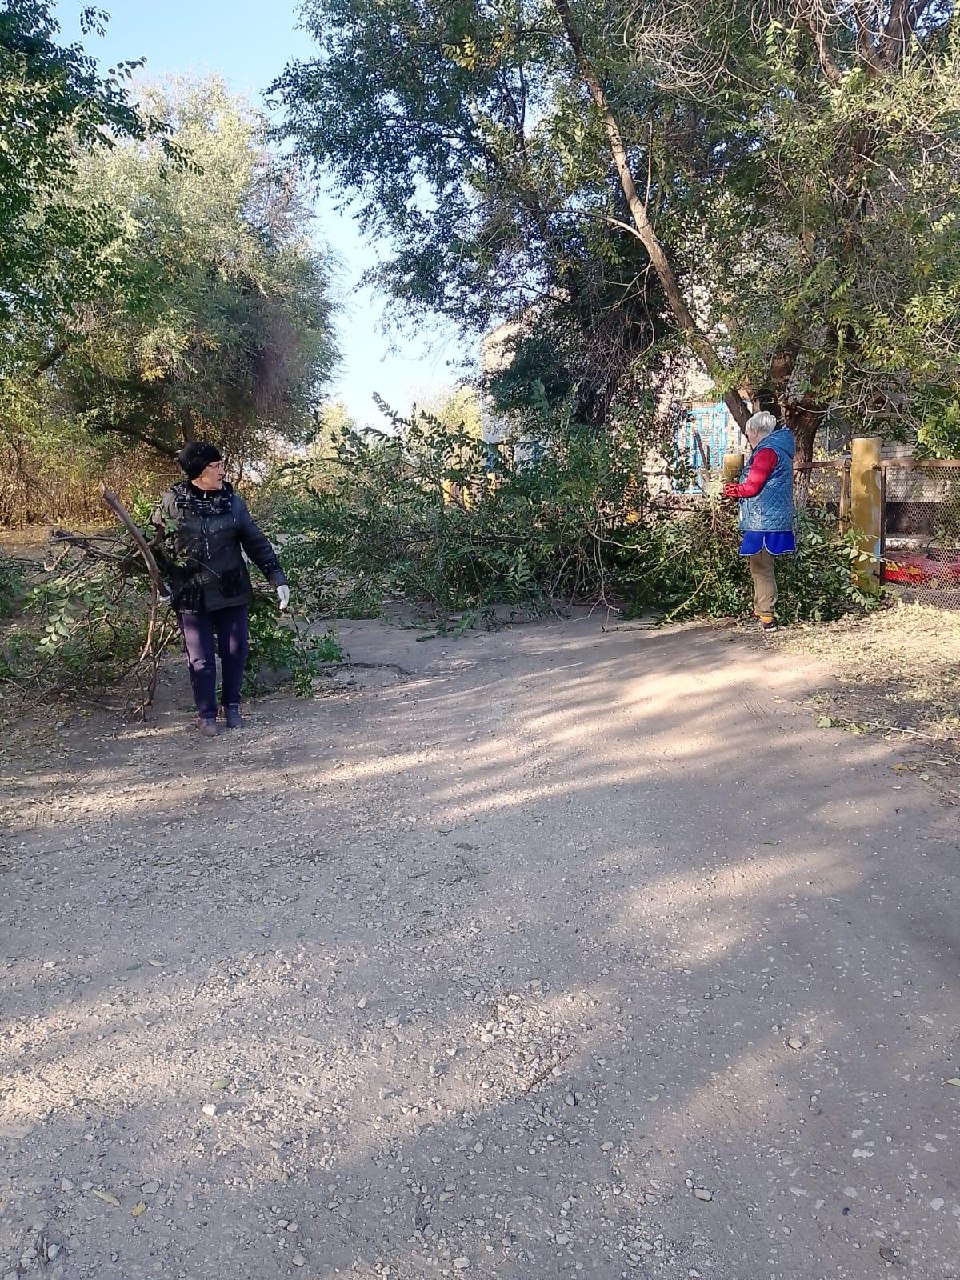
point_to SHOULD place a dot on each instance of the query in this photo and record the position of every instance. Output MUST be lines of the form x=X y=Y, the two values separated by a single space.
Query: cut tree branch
x=699 y=342
x=158 y=590
x=120 y=511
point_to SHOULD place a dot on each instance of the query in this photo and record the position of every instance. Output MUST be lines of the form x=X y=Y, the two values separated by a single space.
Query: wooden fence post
x=866 y=507
x=843 y=515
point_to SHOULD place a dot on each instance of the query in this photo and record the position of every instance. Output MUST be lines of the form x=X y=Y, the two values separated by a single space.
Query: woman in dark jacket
x=203 y=529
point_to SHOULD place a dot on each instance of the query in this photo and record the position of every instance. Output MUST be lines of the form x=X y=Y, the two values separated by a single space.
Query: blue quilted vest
x=771 y=511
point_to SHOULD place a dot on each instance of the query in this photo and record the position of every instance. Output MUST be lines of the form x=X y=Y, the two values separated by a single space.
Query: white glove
x=283 y=595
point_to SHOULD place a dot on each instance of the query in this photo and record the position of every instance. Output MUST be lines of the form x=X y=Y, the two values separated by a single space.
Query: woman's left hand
x=731 y=491
x=283 y=595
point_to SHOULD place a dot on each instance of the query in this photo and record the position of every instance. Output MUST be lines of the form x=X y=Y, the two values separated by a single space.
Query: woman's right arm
x=761 y=469
x=157 y=524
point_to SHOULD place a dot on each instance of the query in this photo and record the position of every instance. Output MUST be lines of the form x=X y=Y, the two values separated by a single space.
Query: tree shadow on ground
x=541 y=954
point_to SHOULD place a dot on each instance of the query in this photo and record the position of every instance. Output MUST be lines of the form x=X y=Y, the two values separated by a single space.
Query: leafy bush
x=430 y=517
x=286 y=648
x=690 y=566
x=435 y=517
x=82 y=625
x=684 y=565
x=86 y=626
x=818 y=583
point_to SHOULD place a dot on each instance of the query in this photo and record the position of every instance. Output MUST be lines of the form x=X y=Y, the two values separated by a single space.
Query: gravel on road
x=575 y=949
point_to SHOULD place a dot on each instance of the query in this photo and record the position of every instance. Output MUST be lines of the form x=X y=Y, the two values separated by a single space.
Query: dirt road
x=557 y=951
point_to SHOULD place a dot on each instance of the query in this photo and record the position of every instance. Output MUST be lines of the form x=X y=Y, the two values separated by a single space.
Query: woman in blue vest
x=765 y=493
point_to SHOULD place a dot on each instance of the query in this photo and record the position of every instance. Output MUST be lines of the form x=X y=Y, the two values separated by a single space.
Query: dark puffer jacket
x=199 y=546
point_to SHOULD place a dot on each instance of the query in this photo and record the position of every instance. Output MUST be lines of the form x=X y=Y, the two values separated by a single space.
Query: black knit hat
x=195 y=456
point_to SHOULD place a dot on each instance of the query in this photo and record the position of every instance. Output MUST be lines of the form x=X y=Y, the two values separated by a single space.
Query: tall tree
x=812 y=146
x=220 y=320
x=54 y=107
x=481 y=177
x=778 y=178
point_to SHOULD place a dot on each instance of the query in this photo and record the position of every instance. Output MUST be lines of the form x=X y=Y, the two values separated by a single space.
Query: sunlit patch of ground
x=897 y=672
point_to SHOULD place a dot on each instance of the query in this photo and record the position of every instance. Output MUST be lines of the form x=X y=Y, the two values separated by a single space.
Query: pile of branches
x=95 y=620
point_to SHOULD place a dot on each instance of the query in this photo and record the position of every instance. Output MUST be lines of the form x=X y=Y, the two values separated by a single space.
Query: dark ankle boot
x=232 y=716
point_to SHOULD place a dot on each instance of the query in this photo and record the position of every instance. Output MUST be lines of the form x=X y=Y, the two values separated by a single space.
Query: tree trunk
x=661 y=264
x=187 y=430
x=804 y=417
x=53 y=356
x=804 y=421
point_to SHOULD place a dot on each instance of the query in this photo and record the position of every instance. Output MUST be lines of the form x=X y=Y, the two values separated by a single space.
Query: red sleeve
x=760 y=471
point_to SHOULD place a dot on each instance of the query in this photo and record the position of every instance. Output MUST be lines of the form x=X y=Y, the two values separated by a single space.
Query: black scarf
x=203 y=502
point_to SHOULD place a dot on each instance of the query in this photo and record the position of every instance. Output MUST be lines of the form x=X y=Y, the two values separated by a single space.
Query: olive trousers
x=764 y=583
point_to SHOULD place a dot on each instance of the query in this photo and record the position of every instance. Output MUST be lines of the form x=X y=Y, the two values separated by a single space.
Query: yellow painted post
x=866 y=508
x=732 y=466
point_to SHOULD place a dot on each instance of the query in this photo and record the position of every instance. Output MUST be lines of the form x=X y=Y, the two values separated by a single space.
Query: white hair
x=761 y=424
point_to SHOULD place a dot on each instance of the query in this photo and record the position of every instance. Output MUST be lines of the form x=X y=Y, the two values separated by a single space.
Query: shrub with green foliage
x=818 y=583
x=433 y=516
x=286 y=648
x=85 y=626
x=689 y=566
x=428 y=516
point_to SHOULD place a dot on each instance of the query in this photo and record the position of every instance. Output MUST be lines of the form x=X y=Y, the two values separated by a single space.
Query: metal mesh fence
x=922 y=530
x=824 y=488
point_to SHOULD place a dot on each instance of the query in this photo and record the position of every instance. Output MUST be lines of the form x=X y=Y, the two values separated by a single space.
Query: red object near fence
x=913 y=570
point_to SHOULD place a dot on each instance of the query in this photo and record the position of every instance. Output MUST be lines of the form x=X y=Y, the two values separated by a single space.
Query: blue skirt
x=778 y=543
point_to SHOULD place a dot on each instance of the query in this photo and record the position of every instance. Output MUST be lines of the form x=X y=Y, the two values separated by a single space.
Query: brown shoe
x=207 y=727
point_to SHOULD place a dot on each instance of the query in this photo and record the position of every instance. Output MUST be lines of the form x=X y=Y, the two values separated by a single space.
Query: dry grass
x=896 y=672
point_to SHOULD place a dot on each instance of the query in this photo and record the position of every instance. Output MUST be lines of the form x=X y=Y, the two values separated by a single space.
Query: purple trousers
x=223 y=631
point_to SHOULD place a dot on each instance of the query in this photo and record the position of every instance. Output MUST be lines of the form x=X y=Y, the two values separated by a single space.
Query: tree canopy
x=54 y=107
x=221 y=320
x=200 y=302
x=481 y=177
x=773 y=184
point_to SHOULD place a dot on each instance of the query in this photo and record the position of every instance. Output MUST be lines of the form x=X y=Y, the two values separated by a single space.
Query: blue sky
x=248 y=42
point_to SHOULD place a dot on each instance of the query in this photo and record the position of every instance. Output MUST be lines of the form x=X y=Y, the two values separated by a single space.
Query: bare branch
x=53 y=356
x=865 y=35
x=829 y=67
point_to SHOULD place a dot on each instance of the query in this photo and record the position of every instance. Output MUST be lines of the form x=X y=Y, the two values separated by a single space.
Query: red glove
x=732 y=491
